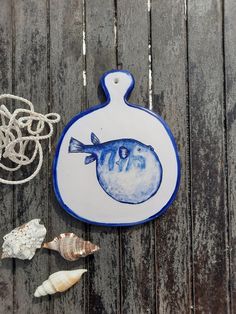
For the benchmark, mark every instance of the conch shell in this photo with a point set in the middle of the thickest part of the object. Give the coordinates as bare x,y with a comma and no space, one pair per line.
59,282
23,241
71,247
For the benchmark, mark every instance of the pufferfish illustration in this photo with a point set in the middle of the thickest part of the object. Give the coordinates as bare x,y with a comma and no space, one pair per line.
127,170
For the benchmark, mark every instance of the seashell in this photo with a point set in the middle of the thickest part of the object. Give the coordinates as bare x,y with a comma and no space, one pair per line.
59,282
23,241
71,247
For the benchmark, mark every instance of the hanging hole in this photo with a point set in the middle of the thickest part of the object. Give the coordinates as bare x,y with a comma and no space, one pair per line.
116,80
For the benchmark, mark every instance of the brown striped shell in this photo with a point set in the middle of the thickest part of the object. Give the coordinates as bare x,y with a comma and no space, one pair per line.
71,247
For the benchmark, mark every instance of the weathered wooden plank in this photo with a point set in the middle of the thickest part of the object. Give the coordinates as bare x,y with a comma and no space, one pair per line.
230,76
104,289
31,199
169,100
137,243
132,43
6,194
209,211
66,79
100,45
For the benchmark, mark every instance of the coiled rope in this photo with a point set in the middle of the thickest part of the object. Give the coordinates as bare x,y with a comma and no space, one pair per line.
17,130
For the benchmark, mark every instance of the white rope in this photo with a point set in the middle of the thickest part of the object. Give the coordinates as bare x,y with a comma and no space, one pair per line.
16,132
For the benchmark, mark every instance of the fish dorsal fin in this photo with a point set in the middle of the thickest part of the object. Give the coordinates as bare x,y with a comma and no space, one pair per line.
89,159
94,139
123,152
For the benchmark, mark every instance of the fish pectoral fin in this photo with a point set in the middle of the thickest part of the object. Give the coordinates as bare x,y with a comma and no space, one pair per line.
89,159
94,139
123,152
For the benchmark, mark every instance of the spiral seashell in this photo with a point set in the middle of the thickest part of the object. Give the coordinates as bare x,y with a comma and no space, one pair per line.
59,282
71,247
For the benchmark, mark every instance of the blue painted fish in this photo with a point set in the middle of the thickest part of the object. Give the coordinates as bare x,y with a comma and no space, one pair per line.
127,170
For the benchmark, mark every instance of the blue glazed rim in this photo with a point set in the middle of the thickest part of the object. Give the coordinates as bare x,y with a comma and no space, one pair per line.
97,107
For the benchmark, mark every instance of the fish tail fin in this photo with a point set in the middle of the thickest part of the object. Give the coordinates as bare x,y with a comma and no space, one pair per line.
75,146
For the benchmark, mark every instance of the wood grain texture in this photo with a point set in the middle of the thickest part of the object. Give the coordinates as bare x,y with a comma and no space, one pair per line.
103,289
6,191
209,209
230,89
31,199
137,243
100,46
132,43
169,63
66,97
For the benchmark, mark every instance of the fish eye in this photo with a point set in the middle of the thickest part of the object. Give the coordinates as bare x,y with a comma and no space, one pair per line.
139,149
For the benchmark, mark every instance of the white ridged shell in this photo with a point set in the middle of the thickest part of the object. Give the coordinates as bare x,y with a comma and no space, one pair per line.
59,282
23,241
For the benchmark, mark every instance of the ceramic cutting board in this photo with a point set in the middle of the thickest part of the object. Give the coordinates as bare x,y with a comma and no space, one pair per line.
117,163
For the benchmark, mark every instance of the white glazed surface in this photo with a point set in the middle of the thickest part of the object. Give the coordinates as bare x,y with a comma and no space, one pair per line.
77,183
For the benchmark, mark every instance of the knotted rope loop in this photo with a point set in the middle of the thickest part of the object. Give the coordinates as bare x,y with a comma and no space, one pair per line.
17,131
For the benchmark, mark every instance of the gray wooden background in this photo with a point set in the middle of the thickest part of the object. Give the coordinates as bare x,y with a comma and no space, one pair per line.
183,56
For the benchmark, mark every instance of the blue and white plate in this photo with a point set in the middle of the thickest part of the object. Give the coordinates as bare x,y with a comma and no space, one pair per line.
117,163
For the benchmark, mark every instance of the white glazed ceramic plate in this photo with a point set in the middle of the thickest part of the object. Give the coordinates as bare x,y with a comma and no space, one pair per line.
116,164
